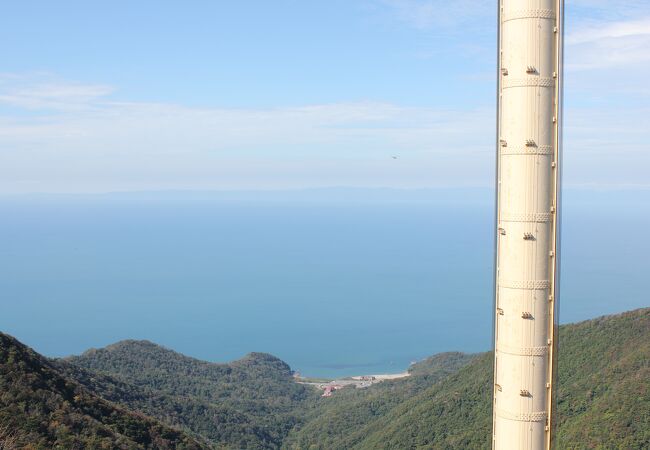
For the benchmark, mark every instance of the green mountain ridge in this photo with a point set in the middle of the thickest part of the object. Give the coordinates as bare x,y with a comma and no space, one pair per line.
603,398
131,388
343,420
42,409
250,403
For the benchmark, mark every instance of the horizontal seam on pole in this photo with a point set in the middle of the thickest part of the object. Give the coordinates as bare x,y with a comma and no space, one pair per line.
527,82
529,14
524,284
522,351
538,416
539,150
523,217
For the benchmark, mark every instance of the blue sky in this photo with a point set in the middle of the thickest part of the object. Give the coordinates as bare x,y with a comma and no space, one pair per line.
148,95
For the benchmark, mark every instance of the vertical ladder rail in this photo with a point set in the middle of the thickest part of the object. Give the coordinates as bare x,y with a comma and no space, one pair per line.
497,217
557,183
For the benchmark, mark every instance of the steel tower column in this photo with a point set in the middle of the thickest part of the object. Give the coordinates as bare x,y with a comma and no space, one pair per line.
527,222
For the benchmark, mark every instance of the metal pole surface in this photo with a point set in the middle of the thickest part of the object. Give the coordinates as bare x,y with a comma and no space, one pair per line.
527,222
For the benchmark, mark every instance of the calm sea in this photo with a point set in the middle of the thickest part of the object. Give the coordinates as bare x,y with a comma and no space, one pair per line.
335,282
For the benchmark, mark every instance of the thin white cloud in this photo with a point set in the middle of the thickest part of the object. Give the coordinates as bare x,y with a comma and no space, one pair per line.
93,142
100,144
613,30
425,14
35,93
607,10
609,45
77,137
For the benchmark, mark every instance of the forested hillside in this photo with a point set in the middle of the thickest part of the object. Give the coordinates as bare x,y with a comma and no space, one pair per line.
42,409
603,398
254,403
251,403
343,420
604,382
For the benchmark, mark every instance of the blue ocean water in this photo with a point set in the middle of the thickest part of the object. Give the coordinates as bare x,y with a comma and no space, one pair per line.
335,282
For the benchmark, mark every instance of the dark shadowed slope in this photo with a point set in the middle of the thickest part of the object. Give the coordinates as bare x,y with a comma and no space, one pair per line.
41,407
251,403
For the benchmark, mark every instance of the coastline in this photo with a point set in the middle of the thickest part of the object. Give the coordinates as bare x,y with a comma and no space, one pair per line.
358,381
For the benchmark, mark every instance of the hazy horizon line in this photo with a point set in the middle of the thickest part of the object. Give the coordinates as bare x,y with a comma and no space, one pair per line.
332,188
